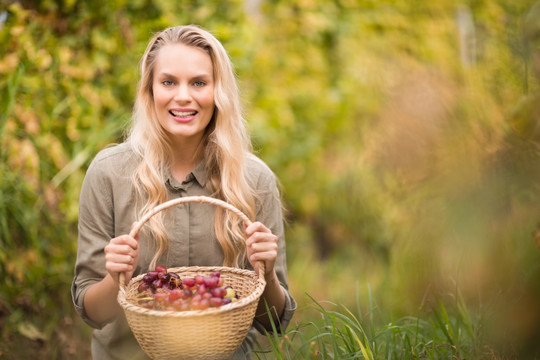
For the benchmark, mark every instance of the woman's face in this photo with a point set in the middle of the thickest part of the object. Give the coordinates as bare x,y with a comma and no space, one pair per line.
183,88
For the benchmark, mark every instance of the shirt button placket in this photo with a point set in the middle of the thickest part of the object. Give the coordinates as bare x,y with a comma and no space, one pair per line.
179,242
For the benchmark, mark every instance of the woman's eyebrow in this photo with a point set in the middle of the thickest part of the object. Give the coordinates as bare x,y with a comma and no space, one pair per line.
166,75
169,75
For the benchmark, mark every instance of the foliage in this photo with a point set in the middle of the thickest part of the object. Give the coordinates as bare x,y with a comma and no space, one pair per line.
391,134
339,333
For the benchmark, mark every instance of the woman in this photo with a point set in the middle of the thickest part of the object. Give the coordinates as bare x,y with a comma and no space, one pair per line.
188,138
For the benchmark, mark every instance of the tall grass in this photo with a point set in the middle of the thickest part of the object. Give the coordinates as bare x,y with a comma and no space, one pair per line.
446,331
6,103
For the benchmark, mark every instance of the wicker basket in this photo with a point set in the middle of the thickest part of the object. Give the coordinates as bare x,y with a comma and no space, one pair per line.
214,333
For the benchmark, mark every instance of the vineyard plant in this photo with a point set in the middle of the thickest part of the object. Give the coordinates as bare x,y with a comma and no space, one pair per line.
399,131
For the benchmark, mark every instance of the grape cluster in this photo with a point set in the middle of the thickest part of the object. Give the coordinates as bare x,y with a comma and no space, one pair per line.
163,290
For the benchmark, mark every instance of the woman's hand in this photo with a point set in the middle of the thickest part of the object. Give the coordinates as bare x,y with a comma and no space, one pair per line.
122,256
261,245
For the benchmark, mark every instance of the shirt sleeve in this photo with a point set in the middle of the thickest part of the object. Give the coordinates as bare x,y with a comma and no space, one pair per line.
271,215
95,229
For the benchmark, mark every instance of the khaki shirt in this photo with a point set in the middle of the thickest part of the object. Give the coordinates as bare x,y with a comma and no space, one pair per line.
107,210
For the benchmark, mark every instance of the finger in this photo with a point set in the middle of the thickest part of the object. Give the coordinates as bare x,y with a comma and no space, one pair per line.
125,262
113,267
122,249
256,227
120,258
125,240
263,256
262,238
268,258
263,245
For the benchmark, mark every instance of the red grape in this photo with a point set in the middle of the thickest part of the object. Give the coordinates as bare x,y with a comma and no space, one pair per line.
219,292
204,304
195,304
186,294
161,269
175,294
162,290
211,282
176,304
148,304
148,279
156,284
143,287
226,300
185,305
216,301
201,289
160,296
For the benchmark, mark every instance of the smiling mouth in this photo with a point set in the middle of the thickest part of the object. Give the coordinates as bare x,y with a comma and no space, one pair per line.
183,114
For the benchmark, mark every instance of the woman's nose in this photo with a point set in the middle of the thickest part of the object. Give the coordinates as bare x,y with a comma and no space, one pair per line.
182,93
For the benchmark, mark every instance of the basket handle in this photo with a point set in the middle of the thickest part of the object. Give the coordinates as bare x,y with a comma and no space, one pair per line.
182,200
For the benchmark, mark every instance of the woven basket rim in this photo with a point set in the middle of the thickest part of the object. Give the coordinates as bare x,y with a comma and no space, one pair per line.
253,296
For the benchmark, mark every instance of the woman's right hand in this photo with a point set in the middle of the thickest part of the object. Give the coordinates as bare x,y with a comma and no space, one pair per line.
122,256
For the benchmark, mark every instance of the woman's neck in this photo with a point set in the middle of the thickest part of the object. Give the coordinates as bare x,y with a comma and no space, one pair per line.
185,159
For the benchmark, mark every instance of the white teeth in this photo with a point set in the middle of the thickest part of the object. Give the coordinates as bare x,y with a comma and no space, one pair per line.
183,113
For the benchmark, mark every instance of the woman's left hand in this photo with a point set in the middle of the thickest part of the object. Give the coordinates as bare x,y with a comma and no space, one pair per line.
261,245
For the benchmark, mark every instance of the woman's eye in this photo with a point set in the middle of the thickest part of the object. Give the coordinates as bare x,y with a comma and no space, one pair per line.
199,83
167,83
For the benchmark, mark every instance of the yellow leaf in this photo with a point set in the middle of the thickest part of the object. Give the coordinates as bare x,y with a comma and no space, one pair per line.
30,331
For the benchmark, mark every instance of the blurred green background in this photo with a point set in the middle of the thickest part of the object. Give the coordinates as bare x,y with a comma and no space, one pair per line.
402,132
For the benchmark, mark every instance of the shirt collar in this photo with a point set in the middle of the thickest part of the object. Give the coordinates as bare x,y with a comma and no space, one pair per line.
198,174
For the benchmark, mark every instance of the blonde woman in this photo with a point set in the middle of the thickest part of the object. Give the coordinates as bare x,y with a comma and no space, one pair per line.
188,138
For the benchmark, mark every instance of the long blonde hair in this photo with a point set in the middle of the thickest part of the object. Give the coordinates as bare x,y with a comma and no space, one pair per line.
226,144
